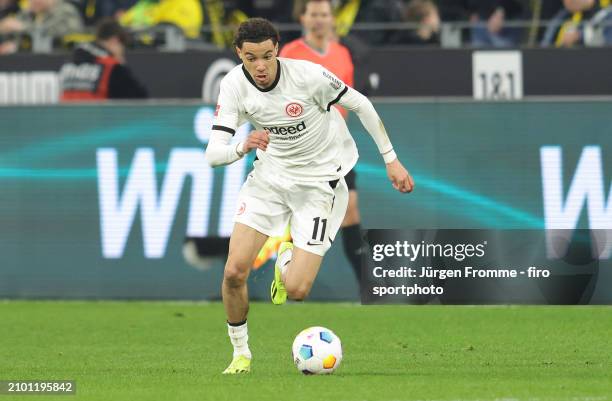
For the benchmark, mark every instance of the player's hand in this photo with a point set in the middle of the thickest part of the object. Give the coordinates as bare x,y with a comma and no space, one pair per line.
257,140
400,177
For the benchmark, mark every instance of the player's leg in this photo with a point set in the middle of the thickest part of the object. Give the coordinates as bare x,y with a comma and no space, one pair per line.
245,243
300,274
318,212
261,213
271,247
351,227
352,216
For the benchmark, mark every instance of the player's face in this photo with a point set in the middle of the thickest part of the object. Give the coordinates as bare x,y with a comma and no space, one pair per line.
318,19
259,59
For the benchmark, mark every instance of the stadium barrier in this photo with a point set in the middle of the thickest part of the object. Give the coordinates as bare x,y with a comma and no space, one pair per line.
482,74
96,199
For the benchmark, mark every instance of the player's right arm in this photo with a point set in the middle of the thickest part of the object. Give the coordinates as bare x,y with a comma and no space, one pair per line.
220,151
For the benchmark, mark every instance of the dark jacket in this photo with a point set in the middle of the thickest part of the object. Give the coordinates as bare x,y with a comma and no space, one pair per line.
94,74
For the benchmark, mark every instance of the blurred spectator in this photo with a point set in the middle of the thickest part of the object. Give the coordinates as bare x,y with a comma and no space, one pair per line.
98,71
277,11
55,18
598,30
544,9
8,8
567,28
273,10
184,14
539,11
319,44
346,13
93,10
478,12
425,13
378,11
454,10
220,15
489,18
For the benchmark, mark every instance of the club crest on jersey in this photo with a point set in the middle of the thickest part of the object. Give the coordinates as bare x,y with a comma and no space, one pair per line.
241,209
294,109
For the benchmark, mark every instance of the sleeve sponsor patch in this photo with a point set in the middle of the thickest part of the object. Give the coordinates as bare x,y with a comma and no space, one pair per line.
333,81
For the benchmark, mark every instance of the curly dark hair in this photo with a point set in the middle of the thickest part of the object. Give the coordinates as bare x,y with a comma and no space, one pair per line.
256,30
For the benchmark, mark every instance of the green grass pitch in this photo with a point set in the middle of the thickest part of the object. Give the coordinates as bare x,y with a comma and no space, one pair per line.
136,351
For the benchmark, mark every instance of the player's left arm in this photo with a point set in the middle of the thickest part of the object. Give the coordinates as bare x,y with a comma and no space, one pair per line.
328,90
354,101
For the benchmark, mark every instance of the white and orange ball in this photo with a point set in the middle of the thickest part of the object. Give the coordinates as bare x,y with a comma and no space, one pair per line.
317,350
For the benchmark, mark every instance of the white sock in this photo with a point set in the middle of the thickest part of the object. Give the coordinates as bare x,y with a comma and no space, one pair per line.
284,259
239,337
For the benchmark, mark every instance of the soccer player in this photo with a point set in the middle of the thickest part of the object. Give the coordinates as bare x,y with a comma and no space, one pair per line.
319,46
303,151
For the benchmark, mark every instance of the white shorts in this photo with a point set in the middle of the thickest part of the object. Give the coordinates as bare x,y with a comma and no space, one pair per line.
314,210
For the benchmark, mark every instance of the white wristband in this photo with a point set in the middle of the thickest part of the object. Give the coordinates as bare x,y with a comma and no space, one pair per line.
389,156
240,149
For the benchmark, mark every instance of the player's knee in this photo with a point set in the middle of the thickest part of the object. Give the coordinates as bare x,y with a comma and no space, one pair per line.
298,292
351,218
235,274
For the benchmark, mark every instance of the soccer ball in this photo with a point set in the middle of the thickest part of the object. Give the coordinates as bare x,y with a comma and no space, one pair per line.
317,350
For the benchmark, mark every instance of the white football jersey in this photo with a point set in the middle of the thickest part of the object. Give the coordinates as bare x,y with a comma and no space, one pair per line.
309,139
